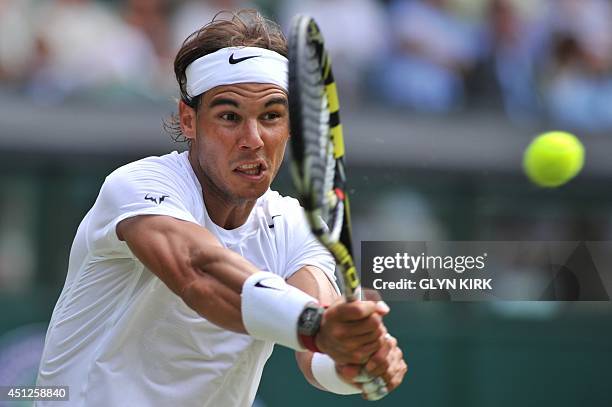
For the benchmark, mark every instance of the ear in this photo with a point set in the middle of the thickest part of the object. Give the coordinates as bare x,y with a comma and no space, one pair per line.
187,119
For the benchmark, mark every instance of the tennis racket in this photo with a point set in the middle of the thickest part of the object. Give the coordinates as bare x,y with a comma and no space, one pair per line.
317,147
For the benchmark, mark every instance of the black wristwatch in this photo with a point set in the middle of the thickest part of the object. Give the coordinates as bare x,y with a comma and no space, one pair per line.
309,323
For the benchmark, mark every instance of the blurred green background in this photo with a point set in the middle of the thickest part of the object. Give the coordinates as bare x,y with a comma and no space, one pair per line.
426,163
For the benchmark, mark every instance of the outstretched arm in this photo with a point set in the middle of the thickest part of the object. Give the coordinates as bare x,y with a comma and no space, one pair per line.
211,280
192,263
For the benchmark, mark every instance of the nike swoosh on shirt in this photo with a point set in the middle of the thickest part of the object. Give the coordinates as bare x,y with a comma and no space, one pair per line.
233,60
271,226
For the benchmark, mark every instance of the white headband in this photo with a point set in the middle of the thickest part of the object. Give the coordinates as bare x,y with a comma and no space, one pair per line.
236,65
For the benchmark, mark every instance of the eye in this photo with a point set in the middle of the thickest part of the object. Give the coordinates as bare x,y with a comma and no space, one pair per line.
271,116
229,116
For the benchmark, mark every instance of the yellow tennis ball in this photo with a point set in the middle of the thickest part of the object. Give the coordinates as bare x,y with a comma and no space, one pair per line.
553,158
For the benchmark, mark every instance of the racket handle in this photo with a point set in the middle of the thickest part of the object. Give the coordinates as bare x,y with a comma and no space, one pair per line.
374,387
353,295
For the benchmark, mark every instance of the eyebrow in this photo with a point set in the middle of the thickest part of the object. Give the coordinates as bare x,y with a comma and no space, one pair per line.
223,101
232,102
279,100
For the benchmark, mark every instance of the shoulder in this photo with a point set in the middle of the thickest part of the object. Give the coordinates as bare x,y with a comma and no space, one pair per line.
163,166
283,211
166,171
273,203
151,178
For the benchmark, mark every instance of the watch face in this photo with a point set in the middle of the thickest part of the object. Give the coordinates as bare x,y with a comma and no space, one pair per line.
308,318
309,321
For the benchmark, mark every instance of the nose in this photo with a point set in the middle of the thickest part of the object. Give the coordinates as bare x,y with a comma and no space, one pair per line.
251,136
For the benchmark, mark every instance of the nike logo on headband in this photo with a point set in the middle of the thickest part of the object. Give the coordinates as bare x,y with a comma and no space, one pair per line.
233,60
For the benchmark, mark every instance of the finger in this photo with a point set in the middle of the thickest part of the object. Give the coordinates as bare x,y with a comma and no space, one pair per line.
354,350
349,353
348,371
379,363
366,330
367,344
352,311
374,385
346,337
382,308
375,390
362,354
397,369
363,376
391,339
376,395
396,380
370,294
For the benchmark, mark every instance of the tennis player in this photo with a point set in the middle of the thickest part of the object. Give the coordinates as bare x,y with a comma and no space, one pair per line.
188,268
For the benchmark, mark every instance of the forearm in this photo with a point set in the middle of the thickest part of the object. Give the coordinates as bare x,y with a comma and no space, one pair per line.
304,361
215,290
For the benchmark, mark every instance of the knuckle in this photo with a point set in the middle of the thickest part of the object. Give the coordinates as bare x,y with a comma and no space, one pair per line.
381,360
385,363
373,323
329,314
337,332
356,358
373,348
374,366
363,310
377,319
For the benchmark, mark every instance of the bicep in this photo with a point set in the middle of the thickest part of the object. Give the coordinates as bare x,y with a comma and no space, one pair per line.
314,281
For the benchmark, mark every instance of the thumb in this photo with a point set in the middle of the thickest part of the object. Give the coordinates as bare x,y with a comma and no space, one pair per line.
382,308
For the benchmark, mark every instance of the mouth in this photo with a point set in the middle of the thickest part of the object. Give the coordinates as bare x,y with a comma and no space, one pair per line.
251,170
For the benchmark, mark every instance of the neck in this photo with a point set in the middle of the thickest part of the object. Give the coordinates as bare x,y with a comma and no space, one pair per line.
225,211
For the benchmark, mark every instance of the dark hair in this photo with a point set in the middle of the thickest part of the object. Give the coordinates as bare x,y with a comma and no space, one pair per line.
244,27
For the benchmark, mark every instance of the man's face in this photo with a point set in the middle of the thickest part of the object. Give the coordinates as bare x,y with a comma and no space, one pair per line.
239,139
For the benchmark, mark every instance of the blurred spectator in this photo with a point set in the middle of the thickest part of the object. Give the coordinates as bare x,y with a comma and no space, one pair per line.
418,222
152,18
355,35
517,40
17,40
578,81
432,49
589,22
85,47
191,15
578,92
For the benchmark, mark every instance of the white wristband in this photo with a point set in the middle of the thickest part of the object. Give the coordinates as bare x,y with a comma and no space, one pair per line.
271,309
324,371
